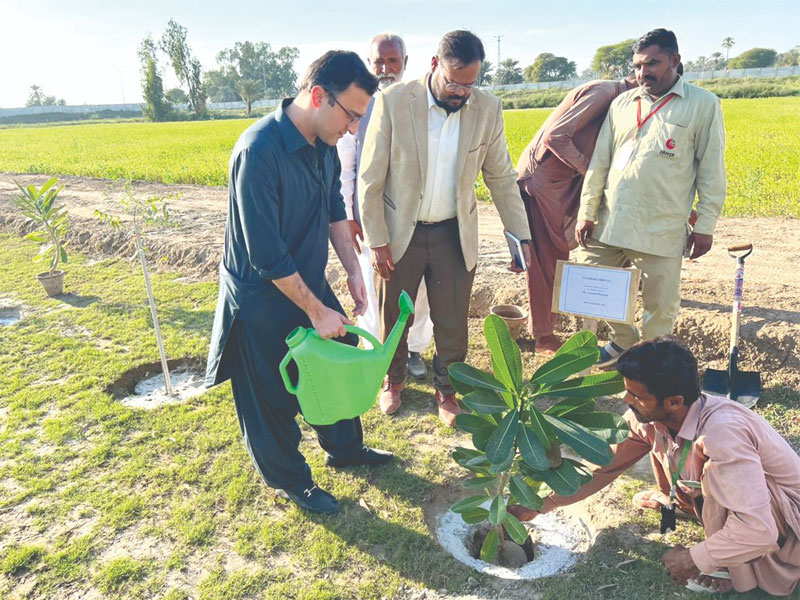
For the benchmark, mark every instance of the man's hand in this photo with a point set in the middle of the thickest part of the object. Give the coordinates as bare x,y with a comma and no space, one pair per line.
699,244
679,565
527,254
355,283
382,261
329,323
583,230
356,234
522,513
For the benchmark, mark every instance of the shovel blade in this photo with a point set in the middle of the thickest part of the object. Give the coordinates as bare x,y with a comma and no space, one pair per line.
745,388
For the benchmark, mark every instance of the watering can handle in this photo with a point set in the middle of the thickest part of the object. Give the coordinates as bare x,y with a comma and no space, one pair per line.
365,334
292,389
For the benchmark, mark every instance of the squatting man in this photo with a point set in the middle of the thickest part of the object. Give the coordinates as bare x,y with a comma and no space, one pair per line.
718,462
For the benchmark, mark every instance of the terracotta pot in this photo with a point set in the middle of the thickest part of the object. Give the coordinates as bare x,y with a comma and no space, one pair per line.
52,284
514,316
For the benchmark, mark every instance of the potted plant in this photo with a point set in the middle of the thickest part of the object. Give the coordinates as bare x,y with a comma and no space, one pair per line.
518,427
39,206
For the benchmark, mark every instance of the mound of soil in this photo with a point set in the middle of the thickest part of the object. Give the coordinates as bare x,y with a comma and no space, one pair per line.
770,326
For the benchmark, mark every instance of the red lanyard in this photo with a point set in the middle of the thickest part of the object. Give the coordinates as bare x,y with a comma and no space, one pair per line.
639,121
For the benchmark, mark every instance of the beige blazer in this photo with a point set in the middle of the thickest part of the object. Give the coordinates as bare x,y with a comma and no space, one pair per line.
394,162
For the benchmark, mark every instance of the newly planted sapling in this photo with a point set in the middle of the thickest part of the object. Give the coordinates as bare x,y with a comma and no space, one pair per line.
142,216
517,456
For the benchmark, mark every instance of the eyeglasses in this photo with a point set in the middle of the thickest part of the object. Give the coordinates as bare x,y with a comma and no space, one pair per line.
452,86
353,117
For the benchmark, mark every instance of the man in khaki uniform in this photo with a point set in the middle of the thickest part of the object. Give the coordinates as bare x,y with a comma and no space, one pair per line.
661,144
426,142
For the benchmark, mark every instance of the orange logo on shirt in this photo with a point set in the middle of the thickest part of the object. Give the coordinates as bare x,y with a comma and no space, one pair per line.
671,144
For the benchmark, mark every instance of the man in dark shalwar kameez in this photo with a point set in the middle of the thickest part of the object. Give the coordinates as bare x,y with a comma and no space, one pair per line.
285,203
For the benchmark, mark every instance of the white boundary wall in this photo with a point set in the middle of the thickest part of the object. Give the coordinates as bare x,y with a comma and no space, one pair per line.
273,102
688,76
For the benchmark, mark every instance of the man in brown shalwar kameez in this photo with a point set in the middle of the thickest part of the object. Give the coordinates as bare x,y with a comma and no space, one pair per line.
725,464
551,171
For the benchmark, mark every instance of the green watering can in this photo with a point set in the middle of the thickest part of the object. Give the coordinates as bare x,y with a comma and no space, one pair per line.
337,381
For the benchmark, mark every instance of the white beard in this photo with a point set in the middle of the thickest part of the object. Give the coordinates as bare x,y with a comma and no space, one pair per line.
384,83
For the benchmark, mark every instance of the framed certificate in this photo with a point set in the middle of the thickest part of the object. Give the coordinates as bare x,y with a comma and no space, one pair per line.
597,292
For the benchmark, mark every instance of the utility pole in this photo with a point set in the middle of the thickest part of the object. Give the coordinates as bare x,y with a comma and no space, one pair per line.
498,38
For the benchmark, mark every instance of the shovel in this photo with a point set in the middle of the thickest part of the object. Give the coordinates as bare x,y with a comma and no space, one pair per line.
743,387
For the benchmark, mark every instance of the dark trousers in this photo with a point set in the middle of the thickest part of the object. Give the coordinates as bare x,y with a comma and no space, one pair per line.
267,413
435,254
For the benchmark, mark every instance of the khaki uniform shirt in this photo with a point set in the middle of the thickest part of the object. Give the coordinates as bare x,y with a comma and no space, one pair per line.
642,181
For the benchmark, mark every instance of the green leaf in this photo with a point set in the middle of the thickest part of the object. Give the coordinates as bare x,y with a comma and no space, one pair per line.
472,423
63,255
468,503
562,366
531,448
584,472
564,481
36,236
48,184
506,357
515,529
524,494
497,511
539,426
480,438
478,483
502,440
461,388
609,427
464,373
476,515
463,455
489,547
484,402
582,339
494,469
582,440
571,405
590,386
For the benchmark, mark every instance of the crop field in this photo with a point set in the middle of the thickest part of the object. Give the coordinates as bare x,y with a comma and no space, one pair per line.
763,152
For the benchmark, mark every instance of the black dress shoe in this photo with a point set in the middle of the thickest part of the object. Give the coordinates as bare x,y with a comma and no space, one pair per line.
311,498
365,456
416,366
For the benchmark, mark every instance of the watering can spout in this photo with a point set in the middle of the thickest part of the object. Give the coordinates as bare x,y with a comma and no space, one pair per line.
393,339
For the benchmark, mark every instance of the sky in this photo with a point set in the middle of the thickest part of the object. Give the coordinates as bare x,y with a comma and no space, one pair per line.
85,50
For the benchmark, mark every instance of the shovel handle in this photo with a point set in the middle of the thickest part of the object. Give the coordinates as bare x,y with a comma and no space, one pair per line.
746,248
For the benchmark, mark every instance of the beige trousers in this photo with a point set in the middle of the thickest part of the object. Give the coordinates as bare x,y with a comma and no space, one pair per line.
661,295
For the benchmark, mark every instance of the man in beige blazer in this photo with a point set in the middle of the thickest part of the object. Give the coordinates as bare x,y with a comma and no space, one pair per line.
426,142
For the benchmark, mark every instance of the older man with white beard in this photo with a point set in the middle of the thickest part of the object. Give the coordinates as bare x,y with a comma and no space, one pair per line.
387,60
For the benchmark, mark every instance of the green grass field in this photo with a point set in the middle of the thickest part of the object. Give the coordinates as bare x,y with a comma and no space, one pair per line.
99,500
763,151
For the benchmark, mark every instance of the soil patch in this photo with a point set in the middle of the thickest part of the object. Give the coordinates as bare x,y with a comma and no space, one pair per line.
143,386
559,539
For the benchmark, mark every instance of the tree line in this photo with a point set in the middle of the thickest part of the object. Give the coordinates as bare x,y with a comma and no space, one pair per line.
616,61
247,72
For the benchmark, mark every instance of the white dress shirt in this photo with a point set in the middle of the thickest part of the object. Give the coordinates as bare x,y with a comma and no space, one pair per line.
346,146
439,197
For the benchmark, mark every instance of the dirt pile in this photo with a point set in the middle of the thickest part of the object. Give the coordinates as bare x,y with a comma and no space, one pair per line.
770,326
